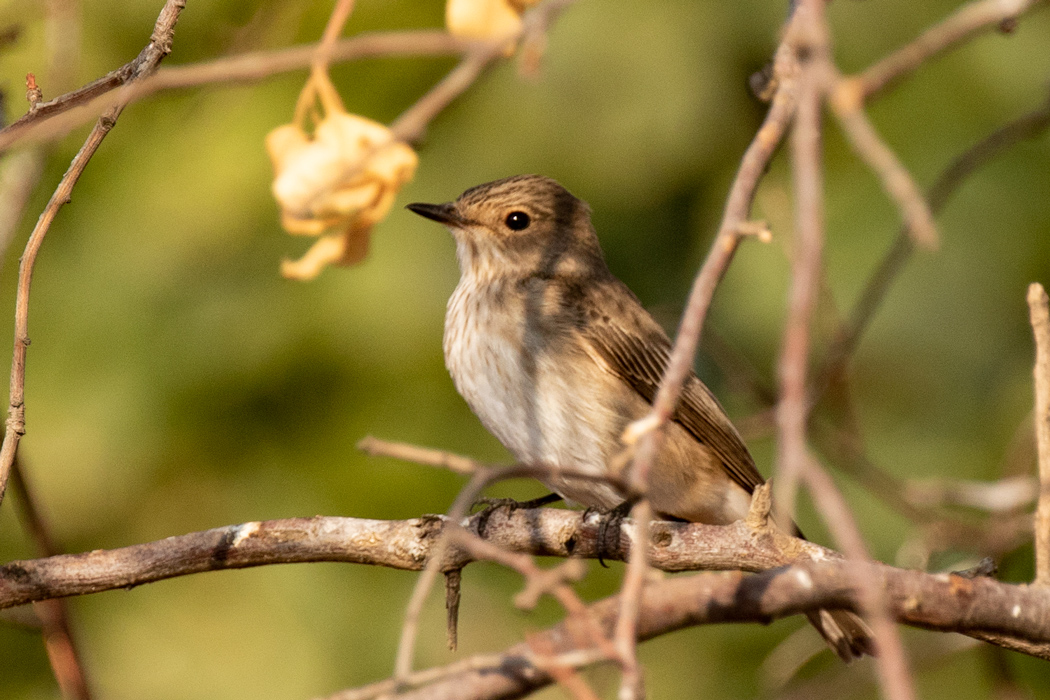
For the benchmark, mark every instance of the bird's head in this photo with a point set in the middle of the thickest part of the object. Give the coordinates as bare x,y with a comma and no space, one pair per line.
521,226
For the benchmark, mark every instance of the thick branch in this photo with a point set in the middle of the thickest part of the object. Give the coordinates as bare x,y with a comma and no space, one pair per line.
937,601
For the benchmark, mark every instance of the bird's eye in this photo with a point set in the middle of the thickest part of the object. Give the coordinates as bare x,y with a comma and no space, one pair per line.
518,221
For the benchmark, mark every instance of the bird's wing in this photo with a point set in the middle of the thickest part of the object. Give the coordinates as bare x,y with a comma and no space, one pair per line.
635,348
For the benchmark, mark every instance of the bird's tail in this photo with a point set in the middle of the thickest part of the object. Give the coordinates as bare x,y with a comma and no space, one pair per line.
846,633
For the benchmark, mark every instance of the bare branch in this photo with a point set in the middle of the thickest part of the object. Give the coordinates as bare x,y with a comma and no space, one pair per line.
808,37
146,63
411,125
421,455
927,600
892,663
847,102
947,183
962,25
936,601
1039,307
811,42
625,635
257,65
734,225
62,650
1002,496
336,22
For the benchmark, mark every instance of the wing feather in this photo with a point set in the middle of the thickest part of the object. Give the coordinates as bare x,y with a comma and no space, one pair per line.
637,349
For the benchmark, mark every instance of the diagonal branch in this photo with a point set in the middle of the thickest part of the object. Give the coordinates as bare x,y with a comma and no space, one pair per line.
947,183
146,63
62,648
711,598
970,19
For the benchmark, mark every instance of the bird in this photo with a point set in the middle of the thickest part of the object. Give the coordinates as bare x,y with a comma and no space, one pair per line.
556,356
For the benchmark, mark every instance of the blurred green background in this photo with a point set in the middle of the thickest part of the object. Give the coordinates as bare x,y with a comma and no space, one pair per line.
176,383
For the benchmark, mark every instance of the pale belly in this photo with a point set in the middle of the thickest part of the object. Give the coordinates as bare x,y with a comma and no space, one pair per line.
555,408
547,412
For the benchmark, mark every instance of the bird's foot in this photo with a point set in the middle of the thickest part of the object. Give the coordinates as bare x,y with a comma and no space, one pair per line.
610,521
494,504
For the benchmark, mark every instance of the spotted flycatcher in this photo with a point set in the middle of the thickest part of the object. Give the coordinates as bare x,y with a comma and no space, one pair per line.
557,356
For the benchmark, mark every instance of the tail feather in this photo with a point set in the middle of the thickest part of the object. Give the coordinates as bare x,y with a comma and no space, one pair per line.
847,634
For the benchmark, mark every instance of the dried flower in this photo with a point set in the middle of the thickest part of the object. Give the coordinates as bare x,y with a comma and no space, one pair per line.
345,175
485,19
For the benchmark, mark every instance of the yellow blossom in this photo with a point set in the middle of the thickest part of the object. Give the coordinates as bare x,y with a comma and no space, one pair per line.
345,175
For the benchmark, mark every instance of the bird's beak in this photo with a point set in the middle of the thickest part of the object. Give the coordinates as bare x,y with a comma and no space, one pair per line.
442,213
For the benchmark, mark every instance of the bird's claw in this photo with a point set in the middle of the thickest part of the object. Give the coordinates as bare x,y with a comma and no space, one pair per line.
612,519
494,504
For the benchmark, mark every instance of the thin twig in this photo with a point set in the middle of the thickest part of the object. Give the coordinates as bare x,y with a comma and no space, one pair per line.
465,465
146,63
996,497
793,460
947,184
66,661
847,102
539,582
723,247
1039,310
809,39
736,214
410,626
336,22
891,662
731,230
420,455
625,636
75,108
485,663
963,24
411,125
257,65
480,478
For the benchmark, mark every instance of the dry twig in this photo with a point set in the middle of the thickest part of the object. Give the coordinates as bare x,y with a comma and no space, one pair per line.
734,226
146,62
808,38
846,99
947,183
812,46
411,125
70,110
892,663
1039,307
625,634
712,598
970,19
62,652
